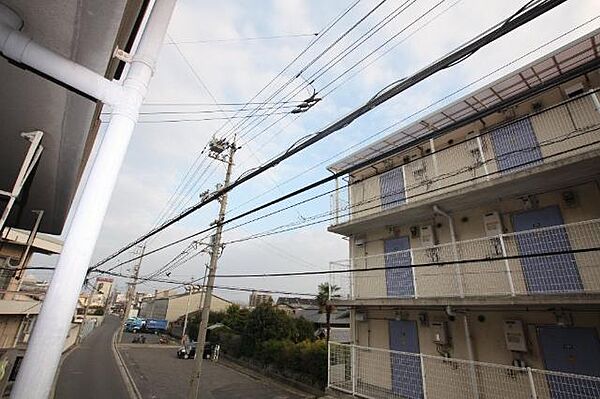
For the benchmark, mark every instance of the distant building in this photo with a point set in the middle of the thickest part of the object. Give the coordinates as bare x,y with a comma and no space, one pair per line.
102,291
21,294
292,305
258,299
171,306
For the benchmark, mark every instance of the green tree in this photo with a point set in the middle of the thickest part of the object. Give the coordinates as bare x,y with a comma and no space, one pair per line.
265,323
236,318
325,293
303,330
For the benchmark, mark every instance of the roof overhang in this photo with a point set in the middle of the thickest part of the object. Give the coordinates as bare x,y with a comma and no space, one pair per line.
86,32
42,243
550,66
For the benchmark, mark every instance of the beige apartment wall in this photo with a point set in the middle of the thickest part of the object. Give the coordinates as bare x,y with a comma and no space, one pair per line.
453,164
9,327
177,305
435,281
487,338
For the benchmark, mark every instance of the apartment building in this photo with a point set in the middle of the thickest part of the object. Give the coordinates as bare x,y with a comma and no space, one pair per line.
474,247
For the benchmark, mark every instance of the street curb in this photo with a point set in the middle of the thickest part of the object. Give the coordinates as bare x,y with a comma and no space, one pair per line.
270,379
132,389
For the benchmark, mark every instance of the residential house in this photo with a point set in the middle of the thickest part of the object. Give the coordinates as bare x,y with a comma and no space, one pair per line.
451,293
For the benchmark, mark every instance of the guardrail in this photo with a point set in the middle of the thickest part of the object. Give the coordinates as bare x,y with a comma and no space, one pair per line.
503,265
385,374
560,131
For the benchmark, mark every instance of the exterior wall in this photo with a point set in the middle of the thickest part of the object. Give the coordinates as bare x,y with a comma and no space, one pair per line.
436,281
434,168
9,328
177,305
487,337
154,308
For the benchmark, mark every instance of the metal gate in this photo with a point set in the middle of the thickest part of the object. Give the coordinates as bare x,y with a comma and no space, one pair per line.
555,273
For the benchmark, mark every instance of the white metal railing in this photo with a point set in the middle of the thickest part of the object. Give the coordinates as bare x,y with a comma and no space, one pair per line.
560,131
502,266
385,374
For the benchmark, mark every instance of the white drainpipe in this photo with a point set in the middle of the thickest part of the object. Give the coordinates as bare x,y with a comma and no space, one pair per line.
46,343
440,211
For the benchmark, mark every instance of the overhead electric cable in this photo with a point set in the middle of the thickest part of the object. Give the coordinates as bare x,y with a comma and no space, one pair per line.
380,98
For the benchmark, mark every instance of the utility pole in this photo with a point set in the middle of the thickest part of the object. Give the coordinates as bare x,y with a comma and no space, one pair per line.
216,148
131,291
187,311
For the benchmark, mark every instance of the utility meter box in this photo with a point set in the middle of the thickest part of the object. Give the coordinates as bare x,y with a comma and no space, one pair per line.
514,335
492,224
439,332
427,236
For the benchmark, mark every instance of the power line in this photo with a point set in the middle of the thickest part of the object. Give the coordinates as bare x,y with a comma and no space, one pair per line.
517,20
320,35
415,265
243,39
486,259
295,227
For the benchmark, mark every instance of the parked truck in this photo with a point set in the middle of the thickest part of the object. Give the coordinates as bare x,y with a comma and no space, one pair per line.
145,325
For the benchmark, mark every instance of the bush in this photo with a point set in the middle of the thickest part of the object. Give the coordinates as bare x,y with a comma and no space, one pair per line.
307,359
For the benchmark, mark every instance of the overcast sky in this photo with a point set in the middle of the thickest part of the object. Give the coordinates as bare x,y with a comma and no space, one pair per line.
199,70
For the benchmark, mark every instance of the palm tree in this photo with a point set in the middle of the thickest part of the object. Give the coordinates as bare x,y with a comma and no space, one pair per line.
326,292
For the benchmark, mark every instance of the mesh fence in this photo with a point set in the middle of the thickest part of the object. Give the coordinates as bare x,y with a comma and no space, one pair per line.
564,273
384,374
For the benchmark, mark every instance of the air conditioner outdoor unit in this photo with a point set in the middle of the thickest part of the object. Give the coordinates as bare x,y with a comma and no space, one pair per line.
419,171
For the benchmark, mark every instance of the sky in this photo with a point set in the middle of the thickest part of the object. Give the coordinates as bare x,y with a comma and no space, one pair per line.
207,59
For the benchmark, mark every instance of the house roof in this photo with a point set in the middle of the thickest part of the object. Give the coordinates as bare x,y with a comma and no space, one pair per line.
554,64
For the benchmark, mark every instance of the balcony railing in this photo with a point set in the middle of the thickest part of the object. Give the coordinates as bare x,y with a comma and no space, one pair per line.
384,374
510,264
560,131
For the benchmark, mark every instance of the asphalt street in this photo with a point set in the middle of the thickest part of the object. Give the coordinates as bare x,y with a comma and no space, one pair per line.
90,371
158,373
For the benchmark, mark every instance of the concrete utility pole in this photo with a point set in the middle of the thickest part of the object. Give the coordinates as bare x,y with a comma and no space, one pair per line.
187,311
131,291
216,147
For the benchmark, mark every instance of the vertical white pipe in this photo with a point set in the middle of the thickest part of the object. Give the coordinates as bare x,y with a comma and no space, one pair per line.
45,347
470,353
507,266
439,210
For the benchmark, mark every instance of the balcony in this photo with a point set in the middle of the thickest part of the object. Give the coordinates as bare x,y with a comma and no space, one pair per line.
384,374
541,141
510,268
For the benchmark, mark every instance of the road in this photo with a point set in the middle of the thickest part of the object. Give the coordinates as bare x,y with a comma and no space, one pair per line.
90,371
158,373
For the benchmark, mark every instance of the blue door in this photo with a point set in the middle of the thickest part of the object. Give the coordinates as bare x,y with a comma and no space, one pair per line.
391,185
574,350
516,146
407,380
554,273
398,279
